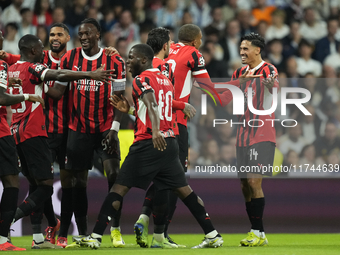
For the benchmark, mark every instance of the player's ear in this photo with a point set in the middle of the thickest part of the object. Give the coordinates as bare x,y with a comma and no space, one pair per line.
165,46
68,38
98,36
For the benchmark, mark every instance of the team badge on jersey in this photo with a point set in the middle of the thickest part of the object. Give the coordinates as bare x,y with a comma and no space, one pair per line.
38,68
201,61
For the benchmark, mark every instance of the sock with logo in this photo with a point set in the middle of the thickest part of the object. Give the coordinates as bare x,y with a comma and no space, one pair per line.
147,205
198,210
106,213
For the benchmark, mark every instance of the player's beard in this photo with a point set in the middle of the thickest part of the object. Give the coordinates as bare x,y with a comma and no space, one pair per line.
57,50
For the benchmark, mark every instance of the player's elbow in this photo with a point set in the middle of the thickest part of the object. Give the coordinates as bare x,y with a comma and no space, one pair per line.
3,99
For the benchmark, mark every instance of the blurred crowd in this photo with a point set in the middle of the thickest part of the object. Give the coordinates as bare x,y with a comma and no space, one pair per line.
302,37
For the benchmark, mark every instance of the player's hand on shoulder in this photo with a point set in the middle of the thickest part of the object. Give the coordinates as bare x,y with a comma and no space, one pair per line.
35,98
158,140
189,111
3,54
112,141
270,81
14,82
103,75
110,51
120,103
247,76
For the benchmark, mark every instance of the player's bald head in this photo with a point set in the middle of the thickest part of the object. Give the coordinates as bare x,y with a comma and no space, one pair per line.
143,50
188,33
27,42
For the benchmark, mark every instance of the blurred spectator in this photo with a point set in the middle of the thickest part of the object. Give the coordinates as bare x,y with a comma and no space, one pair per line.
138,11
10,43
144,30
217,19
108,20
327,143
200,12
126,28
108,39
332,92
93,13
312,29
308,158
293,140
292,40
169,15
243,16
278,29
229,10
215,68
327,45
186,18
76,14
122,47
294,11
262,12
43,35
292,72
231,42
322,7
25,26
291,159
310,83
310,126
209,153
12,13
227,156
333,60
262,28
58,15
275,54
333,159
224,134
212,37
305,64
42,13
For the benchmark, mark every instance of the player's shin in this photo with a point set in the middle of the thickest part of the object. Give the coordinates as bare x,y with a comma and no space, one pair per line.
66,210
80,209
7,210
160,209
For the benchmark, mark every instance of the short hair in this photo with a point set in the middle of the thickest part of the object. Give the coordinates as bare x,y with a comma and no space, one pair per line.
62,25
93,22
13,25
27,42
24,10
188,33
305,42
255,39
332,18
144,50
279,12
157,37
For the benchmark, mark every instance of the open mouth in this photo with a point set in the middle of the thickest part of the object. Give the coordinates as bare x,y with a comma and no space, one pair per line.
85,44
56,44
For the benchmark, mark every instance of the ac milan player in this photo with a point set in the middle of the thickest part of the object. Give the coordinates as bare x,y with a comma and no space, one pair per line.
93,123
8,156
255,145
156,151
159,40
28,125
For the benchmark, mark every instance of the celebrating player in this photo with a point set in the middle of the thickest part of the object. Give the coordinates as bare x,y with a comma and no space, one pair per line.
8,156
255,145
28,125
93,126
156,151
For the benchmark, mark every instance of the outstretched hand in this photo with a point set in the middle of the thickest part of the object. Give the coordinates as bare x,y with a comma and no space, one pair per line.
269,82
247,76
110,51
120,103
35,98
14,82
103,75
189,111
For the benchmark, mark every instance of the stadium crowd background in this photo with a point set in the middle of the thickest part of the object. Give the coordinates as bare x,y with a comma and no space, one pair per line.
302,36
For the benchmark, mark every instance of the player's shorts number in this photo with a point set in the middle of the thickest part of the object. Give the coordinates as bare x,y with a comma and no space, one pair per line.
23,105
253,153
168,105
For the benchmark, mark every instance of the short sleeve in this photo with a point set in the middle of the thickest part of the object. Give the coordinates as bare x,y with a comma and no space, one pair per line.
120,72
3,74
37,72
141,86
197,63
270,72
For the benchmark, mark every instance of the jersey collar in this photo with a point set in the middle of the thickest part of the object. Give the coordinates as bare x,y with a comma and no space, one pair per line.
152,70
256,68
52,58
94,57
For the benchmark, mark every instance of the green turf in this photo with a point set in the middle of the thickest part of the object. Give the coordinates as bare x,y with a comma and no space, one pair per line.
285,244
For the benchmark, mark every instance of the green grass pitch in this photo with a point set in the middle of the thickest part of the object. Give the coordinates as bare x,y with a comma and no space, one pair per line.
283,244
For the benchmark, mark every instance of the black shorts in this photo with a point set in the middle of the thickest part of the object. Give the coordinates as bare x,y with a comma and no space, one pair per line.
57,144
183,144
35,158
145,164
258,159
81,146
8,156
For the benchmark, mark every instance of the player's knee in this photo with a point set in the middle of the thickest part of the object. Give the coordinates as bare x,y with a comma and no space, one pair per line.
254,183
116,205
10,181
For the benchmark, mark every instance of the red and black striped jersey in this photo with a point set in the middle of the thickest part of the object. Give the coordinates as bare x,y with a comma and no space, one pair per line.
262,100
89,106
187,62
55,110
166,70
152,80
28,118
4,128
